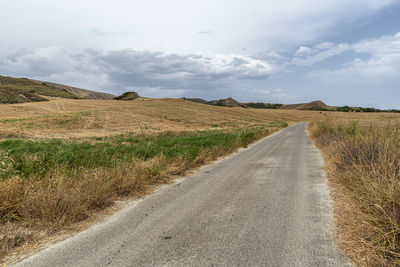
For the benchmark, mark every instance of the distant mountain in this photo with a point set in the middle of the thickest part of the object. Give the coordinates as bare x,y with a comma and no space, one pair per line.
314,105
20,90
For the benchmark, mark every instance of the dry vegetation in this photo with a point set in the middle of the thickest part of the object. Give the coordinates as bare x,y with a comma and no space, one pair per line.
364,168
64,118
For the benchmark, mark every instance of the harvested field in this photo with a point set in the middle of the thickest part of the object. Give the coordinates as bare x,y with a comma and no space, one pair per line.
65,118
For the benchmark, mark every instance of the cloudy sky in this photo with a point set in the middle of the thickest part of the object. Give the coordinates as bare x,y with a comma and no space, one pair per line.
344,52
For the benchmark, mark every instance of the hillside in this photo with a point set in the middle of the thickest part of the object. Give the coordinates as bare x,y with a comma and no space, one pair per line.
81,93
32,87
314,105
10,95
21,90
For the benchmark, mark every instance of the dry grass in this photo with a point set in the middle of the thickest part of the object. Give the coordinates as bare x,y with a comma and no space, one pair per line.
38,208
64,118
364,168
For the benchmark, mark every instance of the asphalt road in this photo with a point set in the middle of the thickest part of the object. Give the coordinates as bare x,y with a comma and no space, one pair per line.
267,205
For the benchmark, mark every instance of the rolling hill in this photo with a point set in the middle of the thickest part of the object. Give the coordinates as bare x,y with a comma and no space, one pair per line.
314,105
81,93
21,90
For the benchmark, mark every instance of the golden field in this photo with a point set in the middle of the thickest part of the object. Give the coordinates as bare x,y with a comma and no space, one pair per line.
64,118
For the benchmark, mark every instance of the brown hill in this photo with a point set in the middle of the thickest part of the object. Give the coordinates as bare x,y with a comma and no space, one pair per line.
81,93
21,90
314,105
32,87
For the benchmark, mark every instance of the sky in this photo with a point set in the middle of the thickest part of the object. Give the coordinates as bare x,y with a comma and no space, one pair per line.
343,52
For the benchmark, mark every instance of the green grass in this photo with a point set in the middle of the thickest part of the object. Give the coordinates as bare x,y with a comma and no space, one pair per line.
26,158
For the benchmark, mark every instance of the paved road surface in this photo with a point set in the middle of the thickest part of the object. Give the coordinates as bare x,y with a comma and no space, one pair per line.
268,205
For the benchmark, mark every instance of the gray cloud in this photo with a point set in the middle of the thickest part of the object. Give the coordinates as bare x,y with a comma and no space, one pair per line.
121,69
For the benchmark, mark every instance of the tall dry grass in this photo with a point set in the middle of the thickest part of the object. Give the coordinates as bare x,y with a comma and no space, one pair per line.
43,205
364,169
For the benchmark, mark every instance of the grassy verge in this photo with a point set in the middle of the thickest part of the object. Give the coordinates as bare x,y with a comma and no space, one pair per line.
364,168
48,185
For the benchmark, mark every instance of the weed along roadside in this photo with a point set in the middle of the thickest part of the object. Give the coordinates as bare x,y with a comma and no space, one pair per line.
49,185
363,164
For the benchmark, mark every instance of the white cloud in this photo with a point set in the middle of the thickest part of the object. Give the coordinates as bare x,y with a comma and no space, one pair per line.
321,55
382,57
305,51
384,45
382,50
